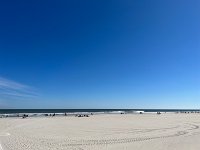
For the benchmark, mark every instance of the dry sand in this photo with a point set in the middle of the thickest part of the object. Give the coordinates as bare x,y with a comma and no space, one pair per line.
102,132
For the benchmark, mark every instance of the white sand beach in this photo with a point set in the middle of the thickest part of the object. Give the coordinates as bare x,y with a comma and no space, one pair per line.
102,132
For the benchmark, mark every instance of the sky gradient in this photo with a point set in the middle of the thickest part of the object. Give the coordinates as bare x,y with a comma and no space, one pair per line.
100,54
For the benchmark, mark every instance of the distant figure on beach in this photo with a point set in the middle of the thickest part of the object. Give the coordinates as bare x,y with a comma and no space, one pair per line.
158,113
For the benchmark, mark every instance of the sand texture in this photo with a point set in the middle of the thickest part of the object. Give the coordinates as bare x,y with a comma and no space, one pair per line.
102,132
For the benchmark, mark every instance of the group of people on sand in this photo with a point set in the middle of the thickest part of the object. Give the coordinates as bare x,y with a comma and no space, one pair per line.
81,115
187,112
52,115
24,116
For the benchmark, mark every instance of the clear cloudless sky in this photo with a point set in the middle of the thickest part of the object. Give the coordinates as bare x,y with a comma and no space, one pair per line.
101,54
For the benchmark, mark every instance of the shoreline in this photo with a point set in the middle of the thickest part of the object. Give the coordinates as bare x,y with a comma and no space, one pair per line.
53,114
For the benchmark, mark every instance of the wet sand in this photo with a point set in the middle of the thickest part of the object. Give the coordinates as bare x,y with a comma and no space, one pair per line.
102,132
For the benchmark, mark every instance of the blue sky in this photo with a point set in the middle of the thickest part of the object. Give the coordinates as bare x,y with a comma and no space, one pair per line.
100,54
